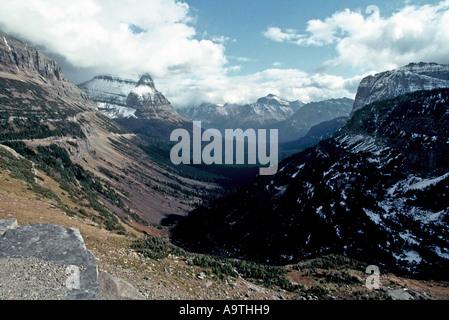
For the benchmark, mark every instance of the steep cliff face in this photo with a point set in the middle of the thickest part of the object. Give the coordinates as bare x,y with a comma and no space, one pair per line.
26,58
23,62
150,103
37,101
110,94
128,99
390,84
136,105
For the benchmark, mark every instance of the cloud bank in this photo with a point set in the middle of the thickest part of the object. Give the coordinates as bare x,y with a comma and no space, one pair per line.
127,37
366,40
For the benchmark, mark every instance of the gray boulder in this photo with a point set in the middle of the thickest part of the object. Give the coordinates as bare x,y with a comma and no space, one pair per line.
8,224
62,246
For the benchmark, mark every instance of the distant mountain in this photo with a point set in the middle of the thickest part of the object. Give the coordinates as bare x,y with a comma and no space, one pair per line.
137,106
110,94
293,119
322,131
122,98
377,191
266,110
310,115
393,83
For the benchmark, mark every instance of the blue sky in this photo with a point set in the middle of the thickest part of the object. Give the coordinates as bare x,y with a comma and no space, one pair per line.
234,50
244,22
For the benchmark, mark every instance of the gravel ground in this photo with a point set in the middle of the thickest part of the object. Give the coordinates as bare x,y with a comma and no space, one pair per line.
31,279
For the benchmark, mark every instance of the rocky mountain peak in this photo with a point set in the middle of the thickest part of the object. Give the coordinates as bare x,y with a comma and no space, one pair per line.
18,57
393,83
146,80
272,99
125,99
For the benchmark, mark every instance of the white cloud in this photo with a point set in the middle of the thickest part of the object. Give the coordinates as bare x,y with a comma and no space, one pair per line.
369,41
102,34
278,35
290,84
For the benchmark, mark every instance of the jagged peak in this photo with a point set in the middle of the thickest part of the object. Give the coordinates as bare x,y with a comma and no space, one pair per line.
146,80
272,99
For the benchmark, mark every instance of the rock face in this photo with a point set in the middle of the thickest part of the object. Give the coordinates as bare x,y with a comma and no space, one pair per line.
8,224
390,84
110,94
59,245
53,249
19,60
137,106
28,58
124,99
150,103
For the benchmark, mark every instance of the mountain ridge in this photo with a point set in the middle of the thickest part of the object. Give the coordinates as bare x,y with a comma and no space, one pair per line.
393,83
293,119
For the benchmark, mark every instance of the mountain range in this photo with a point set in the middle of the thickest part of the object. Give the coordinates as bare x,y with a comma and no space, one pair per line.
266,110
372,183
375,191
293,119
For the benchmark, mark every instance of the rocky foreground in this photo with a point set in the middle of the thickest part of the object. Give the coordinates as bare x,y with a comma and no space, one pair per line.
50,262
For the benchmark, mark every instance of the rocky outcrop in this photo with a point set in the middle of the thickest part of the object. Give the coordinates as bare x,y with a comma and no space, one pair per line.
58,246
16,55
62,246
151,103
112,288
391,84
8,224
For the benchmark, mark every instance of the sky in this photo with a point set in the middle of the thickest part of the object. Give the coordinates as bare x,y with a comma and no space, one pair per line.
234,51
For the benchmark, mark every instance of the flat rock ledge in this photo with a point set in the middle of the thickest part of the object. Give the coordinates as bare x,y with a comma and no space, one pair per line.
31,254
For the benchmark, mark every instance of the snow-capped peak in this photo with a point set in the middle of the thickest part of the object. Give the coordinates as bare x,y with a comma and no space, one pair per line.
273,99
146,80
